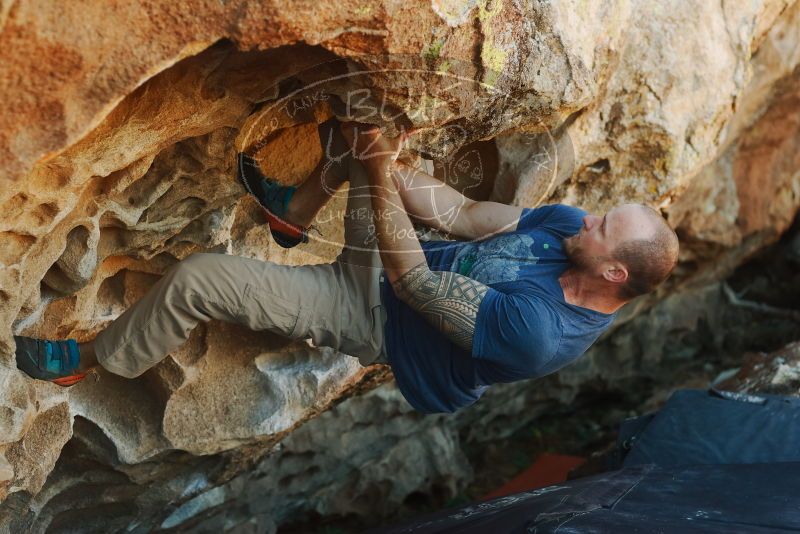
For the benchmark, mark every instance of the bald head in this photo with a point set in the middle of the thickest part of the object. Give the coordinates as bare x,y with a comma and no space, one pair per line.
631,247
649,250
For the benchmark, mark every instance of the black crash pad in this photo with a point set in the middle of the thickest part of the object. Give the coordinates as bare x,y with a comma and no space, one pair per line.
730,499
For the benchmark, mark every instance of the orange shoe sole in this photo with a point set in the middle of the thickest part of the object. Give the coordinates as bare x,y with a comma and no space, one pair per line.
71,380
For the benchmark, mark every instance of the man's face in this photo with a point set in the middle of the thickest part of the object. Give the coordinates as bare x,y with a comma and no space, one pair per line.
594,244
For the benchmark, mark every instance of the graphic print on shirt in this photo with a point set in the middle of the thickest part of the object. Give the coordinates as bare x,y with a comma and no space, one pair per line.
495,260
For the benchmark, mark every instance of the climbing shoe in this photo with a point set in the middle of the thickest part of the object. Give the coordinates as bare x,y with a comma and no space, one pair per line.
274,198
54,361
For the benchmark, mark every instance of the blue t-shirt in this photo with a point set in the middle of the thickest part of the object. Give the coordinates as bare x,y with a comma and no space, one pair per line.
524,328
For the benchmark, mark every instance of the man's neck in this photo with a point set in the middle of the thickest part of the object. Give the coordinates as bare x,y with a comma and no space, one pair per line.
580,291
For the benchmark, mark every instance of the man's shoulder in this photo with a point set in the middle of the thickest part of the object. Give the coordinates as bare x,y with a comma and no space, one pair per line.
558,217
565,215
557,316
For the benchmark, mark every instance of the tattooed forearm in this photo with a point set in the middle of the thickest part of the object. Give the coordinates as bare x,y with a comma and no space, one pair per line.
449,301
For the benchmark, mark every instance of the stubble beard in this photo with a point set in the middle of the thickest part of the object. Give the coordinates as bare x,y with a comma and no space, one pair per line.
575,253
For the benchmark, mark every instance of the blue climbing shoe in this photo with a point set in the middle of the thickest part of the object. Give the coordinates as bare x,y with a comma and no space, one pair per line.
54,361
274,198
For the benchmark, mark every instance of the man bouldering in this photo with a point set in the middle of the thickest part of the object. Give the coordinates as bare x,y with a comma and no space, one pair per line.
521,294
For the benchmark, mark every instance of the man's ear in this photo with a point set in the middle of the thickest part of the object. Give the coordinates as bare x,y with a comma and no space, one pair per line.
615,272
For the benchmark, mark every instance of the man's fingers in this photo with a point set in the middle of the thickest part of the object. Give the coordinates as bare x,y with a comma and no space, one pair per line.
360,127
353,131
367,140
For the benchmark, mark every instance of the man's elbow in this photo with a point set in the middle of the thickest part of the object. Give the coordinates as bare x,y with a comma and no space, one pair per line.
463,222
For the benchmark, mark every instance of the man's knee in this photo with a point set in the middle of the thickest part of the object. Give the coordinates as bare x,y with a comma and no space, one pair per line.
206,283
193,268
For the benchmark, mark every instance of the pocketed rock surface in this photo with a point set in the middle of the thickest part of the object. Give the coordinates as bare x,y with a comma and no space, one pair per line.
117,156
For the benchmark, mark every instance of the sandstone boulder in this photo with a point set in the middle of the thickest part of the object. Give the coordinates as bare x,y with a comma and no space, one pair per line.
117,150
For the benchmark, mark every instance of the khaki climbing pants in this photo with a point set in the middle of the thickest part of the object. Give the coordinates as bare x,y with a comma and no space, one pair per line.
335,305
